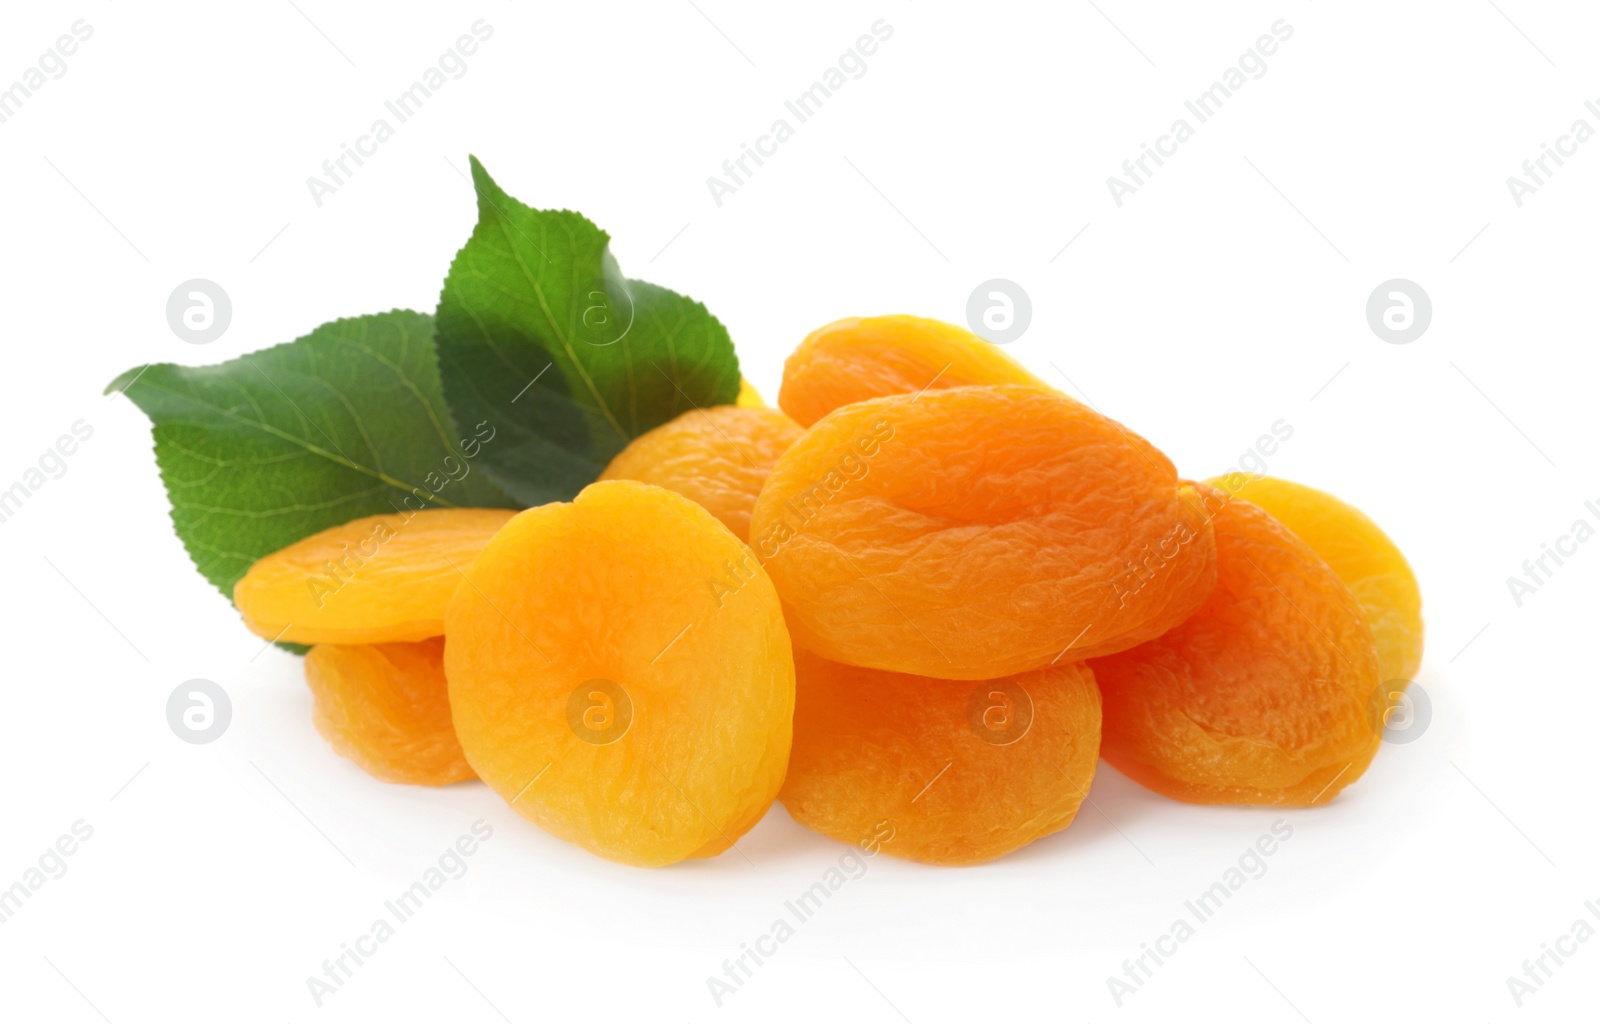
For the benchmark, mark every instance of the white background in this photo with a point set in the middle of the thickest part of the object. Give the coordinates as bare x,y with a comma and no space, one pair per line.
1226,294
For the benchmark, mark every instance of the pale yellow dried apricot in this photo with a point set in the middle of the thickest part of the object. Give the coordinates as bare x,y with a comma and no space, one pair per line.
936,770
718,458
749,397
971,533
605,688
373,580
387,708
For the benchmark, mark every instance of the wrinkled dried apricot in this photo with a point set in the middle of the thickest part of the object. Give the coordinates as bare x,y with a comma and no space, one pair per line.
387,708
936,770
718,458
859,358
602,686
1263,696
373,580
971,533
1358,552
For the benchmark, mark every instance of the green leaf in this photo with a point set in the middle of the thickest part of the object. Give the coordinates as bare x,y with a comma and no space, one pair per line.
538,330
346,422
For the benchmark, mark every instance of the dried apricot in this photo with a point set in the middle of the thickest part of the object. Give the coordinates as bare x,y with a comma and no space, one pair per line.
373,580
1358,552
974,532
717,458
749,397
387,708
602,687
870,357
1263,696
937,770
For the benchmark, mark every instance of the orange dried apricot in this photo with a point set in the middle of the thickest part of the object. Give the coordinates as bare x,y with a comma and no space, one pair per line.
940,771
374,580
971,533
717,458
387,708
1358,552
1263,696
859,358
603,688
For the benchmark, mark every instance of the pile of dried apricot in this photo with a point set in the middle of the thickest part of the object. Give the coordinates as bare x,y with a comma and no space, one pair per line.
916,604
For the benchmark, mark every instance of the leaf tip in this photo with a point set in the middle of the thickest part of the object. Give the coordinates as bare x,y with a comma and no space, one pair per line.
125,379
482,184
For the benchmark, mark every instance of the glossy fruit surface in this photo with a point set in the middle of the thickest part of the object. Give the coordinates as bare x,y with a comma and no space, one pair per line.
859,358
718,458
386,707
1266,695
749,397
378,579
1360,553
940,771
604,686
972,533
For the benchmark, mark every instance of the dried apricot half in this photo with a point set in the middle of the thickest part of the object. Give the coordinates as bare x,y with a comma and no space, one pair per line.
859,358
971,533
1263,696
1358,552
940,771
605,689
387,708
749,397
373,580
718,458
